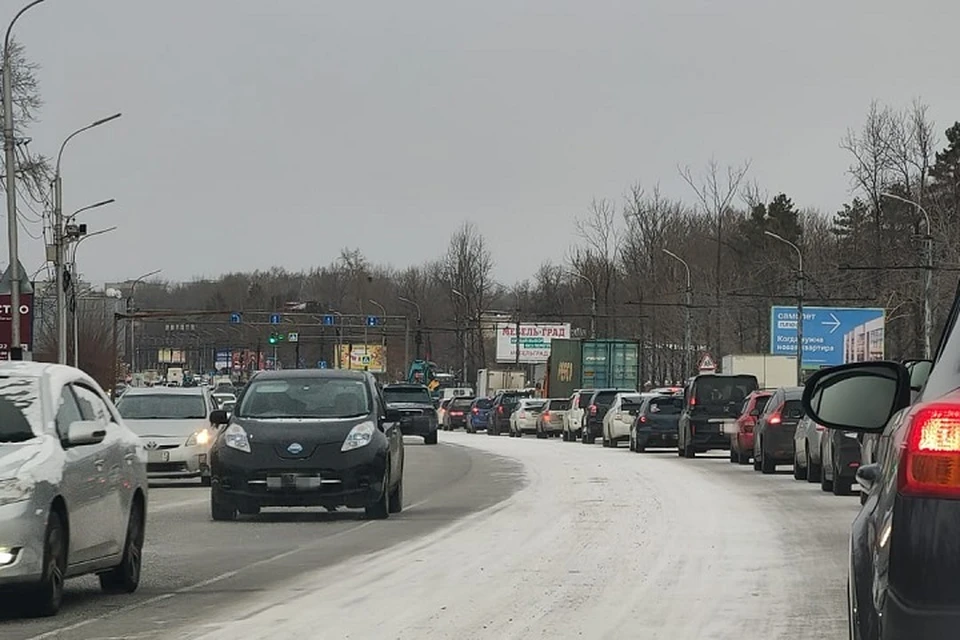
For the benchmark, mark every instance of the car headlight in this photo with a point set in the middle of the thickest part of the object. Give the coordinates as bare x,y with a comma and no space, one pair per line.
202,437
236,438
15,490
359,436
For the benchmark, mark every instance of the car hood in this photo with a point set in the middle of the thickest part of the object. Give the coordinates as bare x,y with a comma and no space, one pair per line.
283,431
166,428
18,459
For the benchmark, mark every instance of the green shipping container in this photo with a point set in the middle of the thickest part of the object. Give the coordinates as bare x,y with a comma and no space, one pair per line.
563,368
610,364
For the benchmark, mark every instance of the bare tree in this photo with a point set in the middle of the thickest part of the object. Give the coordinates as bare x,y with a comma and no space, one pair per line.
598,260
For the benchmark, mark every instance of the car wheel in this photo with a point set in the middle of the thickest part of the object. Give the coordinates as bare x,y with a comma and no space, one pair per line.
430,438
757,457
633,442
689,451
825,485
125,577
396,497
814,471
565,436
542,435
841,486
221,509
249,510
380,510
767,465
733,456
640,448
743,457
799,473
205,481
45,599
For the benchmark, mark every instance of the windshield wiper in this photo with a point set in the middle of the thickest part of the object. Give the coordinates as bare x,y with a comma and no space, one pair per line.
14,438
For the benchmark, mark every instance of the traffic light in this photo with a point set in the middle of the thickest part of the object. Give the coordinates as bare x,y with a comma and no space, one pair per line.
275,338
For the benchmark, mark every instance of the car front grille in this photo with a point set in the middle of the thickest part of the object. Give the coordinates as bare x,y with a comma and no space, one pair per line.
166,467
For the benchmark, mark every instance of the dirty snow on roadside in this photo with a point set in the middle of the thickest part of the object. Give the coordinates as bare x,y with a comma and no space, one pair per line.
598,544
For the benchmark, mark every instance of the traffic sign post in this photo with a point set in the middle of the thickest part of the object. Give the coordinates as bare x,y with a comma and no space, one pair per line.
274,318
293,336
235,318
831,335
707,365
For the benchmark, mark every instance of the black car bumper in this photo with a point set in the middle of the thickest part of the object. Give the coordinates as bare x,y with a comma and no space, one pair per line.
418,426
848,458
657,437
353,479
902,621
778,444
457,422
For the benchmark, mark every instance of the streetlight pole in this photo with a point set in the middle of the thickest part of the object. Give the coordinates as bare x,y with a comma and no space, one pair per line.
73,285
463,336
687,305
339,337
780,238
133,321
419,337
593,302
383,331
10,162
59,240
927,275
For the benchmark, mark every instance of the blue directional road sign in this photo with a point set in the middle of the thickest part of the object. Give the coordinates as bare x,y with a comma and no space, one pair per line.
329,320
274,318
235,318
372,321
322,364
831,335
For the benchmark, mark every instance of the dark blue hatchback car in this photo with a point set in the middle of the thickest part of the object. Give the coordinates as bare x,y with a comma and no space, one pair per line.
479,416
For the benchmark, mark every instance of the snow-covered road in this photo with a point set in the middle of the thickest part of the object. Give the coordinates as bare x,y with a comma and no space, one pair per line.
598,544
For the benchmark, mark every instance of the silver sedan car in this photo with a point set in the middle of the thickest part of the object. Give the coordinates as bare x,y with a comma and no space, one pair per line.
67,464
174,424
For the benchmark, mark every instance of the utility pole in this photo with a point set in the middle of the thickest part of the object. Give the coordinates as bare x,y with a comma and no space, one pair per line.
687,321
593,302
780,238
927,274
419,337
10,168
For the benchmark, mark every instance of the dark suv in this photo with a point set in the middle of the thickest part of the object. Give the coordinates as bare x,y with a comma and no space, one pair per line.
504,404
418,414
599,404
711,400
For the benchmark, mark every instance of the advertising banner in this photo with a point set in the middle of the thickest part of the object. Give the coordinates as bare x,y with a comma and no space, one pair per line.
831,335
534,341
363,357
6,326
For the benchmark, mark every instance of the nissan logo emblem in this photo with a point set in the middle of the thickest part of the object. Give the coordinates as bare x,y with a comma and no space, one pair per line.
296,448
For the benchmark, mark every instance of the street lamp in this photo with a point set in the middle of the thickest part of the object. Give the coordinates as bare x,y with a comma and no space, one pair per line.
16,347
96,205
593,302
687,312
339,330
133,321
59,239
73,285
419,338
928,274
780,238
463,334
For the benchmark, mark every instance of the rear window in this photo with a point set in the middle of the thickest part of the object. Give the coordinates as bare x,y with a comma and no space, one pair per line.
584,400
792,409
407,394
511,399
665,406
762,403
535,406
605,398
723,390
461,403
560,405
483,403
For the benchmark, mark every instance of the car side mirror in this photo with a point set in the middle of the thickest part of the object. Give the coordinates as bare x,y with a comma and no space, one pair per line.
755,413
219,417
391,415
867,476
862,396
85,432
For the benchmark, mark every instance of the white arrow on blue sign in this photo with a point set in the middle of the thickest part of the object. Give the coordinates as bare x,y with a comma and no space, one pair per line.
235,318
275,318
831,335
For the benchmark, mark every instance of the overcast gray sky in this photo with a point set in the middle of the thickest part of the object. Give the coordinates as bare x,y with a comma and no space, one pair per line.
275,132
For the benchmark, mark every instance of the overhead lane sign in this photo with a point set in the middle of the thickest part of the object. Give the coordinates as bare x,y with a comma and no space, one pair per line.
831,335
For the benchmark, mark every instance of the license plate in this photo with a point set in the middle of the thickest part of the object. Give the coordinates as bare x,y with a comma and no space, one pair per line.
730,427
717,420
159,456
292,482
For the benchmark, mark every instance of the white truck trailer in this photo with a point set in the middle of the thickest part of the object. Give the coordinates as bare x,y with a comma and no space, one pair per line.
771,371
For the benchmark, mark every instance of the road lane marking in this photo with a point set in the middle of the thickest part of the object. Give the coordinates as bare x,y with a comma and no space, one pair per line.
205,583
174,505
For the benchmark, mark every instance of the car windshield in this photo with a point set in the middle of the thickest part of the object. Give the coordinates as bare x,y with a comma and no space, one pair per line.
317,398
407,394
665,406
161,406
560,405
20,413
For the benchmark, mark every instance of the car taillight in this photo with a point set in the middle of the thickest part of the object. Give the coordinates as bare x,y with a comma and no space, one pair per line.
931,453
775,418
546,415
475,411
643,418
593,409
820,427
500,409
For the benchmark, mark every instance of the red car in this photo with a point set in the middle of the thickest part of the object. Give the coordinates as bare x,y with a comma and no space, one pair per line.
741,442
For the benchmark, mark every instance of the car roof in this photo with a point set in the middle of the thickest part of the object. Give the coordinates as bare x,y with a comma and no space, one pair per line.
404,385
286,374
169,391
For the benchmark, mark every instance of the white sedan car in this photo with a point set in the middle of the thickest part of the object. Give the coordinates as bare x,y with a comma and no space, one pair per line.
174,424
620,417
524,417
73,487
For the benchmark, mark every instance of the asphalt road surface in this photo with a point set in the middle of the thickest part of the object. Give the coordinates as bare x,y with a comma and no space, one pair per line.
195,568
578,542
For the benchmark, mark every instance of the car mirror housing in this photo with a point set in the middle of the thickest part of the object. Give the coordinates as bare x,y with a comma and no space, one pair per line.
219,417
85,432
391,415
857,397
755,413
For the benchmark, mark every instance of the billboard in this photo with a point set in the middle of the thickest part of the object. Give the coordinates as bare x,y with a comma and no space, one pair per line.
363,357
534,341
6,326
223,358
831,335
